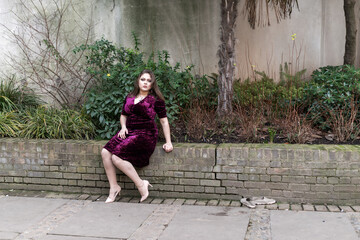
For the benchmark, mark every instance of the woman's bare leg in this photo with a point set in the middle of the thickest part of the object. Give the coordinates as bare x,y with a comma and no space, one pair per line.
110,173
127,168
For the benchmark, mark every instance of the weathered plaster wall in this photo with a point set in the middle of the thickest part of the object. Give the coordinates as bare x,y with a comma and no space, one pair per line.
189,30
320,40
6,46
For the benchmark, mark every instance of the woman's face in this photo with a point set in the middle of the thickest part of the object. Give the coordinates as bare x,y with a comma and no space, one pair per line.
145,82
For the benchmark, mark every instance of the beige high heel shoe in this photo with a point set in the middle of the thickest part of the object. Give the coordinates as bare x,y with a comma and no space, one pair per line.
110,200
144,190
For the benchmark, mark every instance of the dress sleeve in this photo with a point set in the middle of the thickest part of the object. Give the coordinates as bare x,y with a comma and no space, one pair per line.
125,108
160,108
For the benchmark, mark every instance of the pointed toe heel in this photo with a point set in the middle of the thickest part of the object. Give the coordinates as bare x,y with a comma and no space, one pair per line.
112,199
144,190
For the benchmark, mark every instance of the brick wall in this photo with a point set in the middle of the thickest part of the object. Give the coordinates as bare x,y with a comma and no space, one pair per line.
288,173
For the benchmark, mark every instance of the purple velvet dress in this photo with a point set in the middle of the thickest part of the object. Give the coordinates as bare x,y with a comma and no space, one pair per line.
141,140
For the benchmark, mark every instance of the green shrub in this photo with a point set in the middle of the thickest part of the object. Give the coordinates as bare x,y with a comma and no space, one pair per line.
115,70
43,122
256,93
16,97
332,88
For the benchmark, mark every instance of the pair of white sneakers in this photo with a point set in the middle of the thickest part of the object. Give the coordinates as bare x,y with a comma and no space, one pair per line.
253,201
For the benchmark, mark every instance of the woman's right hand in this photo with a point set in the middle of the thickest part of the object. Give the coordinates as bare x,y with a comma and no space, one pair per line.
123,132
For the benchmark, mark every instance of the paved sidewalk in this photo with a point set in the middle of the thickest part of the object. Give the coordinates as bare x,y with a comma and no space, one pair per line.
50,216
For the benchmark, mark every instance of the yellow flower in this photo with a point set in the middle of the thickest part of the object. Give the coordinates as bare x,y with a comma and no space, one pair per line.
108,74
293,36
253,66
234,64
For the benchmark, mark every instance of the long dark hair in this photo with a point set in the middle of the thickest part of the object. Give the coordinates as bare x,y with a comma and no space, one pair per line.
155,91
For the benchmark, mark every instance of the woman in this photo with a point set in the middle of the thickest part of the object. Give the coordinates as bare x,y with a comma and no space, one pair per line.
136,141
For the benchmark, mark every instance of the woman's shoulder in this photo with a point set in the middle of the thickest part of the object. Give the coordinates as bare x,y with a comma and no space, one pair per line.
129,96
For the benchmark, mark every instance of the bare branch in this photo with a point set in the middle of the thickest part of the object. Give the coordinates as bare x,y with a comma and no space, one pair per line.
47,59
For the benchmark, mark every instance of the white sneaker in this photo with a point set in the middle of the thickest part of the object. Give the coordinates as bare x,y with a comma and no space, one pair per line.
262,200
247,202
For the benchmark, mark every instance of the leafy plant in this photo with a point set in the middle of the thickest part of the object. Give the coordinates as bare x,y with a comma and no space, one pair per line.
331,88
6,104
116,69
44,122
265,90
272,133
9,124
13,96
289,80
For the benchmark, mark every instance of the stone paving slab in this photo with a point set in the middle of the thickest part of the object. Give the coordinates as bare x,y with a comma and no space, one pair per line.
291,225
296,207
333,208
190,202
213,202
224,203
321,208
272,206
8,235
25,218
284,206
201,202
169,201
196,222
179,202
61,237
237,204
355,221
20,213
118,220
308,207
155,224
157,201
356,208
346,209
53,220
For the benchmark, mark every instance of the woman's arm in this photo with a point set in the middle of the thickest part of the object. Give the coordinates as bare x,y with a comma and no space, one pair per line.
123,131
168,147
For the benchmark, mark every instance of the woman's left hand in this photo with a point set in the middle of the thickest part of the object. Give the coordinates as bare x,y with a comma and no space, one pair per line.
168,147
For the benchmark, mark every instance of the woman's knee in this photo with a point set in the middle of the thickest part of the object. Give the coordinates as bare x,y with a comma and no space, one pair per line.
105,154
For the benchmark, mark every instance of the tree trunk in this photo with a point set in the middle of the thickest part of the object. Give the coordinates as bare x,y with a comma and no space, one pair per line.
350,44
226,54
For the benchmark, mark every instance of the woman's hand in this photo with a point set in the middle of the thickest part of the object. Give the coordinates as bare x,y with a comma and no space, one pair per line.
123,132
168,147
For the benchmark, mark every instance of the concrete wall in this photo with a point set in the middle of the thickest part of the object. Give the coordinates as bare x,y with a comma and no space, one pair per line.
288,173
320,40
189,30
